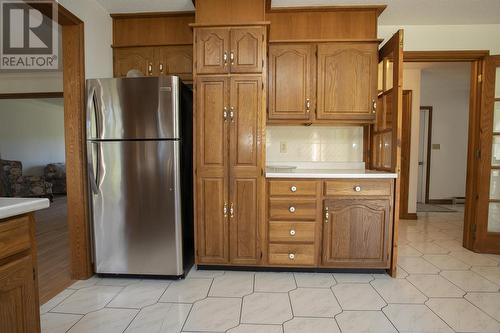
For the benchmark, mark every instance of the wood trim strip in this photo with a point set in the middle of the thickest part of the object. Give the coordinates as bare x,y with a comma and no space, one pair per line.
444,56
240,24
148,45
152,14
74,88
33,95
440,201
378,8
405,153
429,148
340,40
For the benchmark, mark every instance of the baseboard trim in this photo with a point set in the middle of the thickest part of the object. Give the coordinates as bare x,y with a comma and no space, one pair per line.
408,216
440,201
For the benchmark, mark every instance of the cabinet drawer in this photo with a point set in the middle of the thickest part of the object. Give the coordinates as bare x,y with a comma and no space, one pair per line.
292,209
355,187
292,188
291,231
291,254
14,236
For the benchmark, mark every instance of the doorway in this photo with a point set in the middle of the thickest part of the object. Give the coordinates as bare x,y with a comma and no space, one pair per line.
424,139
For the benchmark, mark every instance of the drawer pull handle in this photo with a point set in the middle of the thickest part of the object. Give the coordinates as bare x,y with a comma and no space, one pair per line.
293,188
291,256
292,232
357,188
291,209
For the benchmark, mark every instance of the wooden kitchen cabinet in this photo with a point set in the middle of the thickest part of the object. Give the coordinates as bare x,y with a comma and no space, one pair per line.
140,58
292,81
19,302
153,61
212,170
212,50
347,81
229,50
246,55
176,60
245,146
229,168
356,232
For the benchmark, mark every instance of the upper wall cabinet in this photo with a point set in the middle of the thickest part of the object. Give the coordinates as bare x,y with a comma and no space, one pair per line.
140,58
226,50
347,81
292,78
161,60
321,83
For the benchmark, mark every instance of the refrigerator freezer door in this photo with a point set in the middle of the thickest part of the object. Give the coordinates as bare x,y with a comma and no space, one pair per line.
136,207
133,108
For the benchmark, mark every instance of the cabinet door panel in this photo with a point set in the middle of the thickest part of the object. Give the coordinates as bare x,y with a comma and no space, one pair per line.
291,81
18,309
212,45
246,50
212,233
211,95
347,81
177,60
246,136
357,233
211,166
244,241
140,58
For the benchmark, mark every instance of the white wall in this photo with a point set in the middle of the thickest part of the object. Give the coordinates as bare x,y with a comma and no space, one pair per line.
447,37
98,36
411,81
32,131
446,89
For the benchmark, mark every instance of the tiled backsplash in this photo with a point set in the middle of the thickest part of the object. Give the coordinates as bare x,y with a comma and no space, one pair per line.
338,144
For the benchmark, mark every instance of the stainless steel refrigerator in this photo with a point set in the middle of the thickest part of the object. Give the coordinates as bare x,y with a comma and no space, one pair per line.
139,149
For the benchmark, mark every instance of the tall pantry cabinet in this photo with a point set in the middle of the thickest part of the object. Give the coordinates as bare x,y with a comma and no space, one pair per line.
230,99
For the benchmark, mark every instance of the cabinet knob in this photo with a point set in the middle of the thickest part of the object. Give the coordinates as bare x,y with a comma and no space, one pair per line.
291,209
293,188
161,68
291,256
292,232
357,188
150,69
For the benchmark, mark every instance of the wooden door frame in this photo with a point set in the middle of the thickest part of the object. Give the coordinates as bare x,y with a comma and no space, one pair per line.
74,139
405,162
477,60
429,155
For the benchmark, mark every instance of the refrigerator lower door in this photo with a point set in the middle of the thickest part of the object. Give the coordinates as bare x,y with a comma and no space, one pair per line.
136,208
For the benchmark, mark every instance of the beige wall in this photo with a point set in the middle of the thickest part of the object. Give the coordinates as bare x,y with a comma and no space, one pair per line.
447,37
32,131
411,81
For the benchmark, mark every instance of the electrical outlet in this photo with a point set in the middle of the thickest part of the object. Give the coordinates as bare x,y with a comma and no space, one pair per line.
283,147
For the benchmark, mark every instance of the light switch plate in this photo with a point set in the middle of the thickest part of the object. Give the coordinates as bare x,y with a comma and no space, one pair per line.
436,146
283,147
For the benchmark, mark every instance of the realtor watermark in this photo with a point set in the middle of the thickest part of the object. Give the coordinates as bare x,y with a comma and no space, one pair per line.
29,33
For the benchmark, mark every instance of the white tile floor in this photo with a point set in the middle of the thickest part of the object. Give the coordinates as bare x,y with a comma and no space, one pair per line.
441,287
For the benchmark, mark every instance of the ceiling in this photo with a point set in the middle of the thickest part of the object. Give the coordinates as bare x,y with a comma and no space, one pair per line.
398,12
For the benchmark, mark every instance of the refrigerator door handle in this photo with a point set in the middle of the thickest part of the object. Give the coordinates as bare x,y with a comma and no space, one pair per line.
92,111
93,169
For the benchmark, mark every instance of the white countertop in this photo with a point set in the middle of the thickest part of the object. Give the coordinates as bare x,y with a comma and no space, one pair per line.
17,206
328,173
